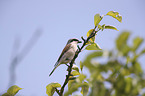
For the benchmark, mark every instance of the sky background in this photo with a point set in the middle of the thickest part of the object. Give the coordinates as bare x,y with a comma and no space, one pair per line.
58,21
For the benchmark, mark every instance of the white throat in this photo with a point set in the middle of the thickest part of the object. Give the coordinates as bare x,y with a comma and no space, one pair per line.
74,42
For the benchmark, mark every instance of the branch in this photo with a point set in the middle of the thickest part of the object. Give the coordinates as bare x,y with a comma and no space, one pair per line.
76,55
19,57
57,91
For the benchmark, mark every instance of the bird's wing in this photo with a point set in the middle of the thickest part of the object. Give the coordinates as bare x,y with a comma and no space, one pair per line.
67,47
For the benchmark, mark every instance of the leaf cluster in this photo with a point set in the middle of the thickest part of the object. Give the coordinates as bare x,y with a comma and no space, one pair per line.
122,68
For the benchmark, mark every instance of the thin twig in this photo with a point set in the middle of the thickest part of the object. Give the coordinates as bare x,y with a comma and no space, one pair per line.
57,91
76,55
83,38
19,57
78,47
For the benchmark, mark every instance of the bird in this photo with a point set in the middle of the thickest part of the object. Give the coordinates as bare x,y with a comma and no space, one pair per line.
67,54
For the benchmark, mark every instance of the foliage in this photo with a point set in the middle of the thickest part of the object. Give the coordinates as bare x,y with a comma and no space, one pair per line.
122,68
122,71
50,88
12,90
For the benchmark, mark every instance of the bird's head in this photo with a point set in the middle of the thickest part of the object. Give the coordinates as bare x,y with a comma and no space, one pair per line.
74,40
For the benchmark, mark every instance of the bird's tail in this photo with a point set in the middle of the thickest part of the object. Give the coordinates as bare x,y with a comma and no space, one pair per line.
55,66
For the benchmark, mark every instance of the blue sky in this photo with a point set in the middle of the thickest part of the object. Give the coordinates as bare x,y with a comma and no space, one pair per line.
59,21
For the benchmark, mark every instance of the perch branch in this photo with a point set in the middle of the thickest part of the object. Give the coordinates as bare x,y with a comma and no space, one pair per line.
76,55
57,91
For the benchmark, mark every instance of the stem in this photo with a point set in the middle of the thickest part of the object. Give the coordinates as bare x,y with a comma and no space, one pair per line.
57,91
76,55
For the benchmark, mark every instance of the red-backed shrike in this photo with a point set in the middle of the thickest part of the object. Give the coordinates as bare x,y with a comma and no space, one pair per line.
67,53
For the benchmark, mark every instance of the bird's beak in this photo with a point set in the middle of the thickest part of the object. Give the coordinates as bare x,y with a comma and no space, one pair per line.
79,41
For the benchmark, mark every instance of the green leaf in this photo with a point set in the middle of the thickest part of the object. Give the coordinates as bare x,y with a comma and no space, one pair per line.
93,46
98,89
72,78
128,87
137,68
73,86
87,62
85,89
110,27
125,50
81,65
101,27
121,41
74,73
81,77
71,83
75,67
136,43
89,33
125,72
115,15
12,91
50,88
97,19
142,52
6,94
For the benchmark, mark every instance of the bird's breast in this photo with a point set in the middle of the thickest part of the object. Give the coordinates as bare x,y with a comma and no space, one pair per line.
72,50
74,47
68,56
